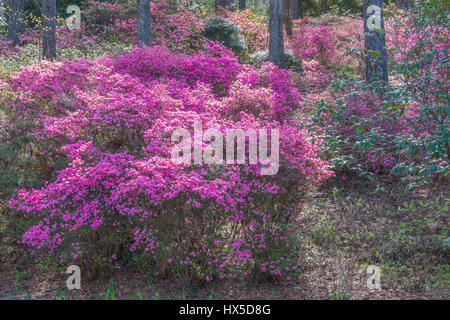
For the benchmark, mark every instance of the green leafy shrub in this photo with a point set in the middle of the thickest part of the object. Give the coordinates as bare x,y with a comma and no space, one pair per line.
345,6
290,61
224,30
402,129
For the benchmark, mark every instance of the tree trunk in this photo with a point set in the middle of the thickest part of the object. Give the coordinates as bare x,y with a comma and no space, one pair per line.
260,3
276,41
323,6
374,42
295,9
49,29
241,4
143,23
287,16
15,21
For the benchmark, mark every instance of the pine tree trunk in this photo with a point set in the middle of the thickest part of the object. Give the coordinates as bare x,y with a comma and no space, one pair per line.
276,41
49,29
143,23
287,16
15,21
374,42
241,4
260,3
295,9
323,6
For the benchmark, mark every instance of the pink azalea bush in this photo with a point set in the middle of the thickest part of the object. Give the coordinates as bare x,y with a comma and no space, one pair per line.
110,28
180,30
322,49
101,131
364,130
253,27
6,50
402,129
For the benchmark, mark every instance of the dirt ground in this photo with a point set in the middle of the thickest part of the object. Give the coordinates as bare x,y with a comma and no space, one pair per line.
344,228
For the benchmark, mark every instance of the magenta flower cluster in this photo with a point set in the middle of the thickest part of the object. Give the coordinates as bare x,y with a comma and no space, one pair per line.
104,129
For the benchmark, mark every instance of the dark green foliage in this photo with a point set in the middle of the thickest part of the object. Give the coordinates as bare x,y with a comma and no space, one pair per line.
407,123
225,31
35,6
290,60
16,163
307,8
345,6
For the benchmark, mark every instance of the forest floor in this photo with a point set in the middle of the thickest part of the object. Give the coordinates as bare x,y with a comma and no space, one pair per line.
344,228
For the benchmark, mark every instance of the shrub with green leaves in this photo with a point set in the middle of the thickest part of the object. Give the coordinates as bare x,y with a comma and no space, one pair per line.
290,61
345,6
225,31
402,129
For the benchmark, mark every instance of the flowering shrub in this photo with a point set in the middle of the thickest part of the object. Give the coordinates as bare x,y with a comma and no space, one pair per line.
402,129
217,66
103,130
423,65
285,98
253,27
108,27
314,42
323,49
290,61
315,47
6,49
226,32
360,132
180,31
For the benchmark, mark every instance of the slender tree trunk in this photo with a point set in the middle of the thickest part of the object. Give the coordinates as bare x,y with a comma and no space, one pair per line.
15,21
241,4
374,41
276,41
49,29
260,3
295,9
143,23
287,16
323,6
